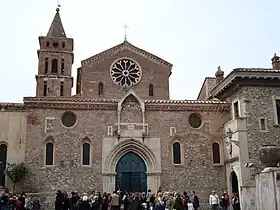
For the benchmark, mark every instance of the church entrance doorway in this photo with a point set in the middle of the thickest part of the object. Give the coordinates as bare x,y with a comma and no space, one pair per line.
3,162
234,183
131,173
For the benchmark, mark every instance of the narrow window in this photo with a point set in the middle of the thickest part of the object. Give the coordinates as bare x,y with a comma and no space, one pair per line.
177,153
54,66
236,109
45,88
278,110
86,154
262,122
216,153
46,65
151,90
49,154
48,44
62,66
61,88
63,44
100,88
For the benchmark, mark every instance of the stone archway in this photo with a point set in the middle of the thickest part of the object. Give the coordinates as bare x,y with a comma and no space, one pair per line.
234,182
131,173
3,162
153,166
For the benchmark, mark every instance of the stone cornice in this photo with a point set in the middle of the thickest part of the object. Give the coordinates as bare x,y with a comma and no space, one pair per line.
12,107
112,104
129,46
259,77
56,51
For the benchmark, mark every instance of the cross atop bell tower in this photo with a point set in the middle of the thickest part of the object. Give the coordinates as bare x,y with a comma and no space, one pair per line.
56,57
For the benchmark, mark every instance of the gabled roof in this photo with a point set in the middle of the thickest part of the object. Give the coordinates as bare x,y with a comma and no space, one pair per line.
56,28
129,46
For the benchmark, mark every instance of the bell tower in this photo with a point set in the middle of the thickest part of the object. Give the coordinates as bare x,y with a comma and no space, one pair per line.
55,57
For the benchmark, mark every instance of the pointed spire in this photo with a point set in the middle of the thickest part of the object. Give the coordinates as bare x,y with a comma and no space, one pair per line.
56,29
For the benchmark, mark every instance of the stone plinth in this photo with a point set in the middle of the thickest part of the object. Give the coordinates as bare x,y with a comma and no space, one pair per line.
267,189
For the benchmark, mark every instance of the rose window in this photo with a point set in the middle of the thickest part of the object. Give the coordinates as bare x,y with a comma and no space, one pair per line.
125,72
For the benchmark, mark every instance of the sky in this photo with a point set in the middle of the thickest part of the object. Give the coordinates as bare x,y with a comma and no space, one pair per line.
195,36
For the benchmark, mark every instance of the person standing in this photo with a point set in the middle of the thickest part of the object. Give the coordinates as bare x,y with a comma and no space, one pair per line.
214,200
115,201
224,201
195,201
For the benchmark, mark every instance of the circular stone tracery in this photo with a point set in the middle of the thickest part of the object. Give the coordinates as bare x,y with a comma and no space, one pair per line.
125,72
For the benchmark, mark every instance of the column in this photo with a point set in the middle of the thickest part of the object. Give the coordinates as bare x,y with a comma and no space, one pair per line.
109,181
153,181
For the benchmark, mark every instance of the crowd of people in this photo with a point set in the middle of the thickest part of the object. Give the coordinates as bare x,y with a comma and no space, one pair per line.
10,201
224,201
127,201
119,200
142,201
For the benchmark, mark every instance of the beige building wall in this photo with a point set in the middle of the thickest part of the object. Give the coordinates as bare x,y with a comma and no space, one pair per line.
13,134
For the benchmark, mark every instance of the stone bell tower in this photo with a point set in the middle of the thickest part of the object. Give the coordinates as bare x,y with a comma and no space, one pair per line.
56,57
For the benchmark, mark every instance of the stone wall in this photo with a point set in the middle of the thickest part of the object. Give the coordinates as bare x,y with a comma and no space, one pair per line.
99,71
13,134
260,106
197,171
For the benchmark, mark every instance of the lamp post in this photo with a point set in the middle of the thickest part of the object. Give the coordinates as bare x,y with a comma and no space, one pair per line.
230,141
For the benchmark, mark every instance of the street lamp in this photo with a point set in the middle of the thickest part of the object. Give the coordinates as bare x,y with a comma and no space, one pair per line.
230,141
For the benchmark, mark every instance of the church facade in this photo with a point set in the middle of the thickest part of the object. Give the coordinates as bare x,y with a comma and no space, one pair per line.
121,129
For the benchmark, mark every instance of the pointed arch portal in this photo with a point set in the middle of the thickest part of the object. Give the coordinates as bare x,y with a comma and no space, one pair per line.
128,164
234,182
131,173
3,162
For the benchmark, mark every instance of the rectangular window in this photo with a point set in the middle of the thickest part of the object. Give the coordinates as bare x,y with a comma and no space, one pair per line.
110,130
46,65
49,154
172,131
86,154
236,109
277,102
61,88
45,88
62,66
263,124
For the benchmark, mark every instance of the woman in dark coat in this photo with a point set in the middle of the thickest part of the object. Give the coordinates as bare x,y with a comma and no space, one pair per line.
105,202
178,202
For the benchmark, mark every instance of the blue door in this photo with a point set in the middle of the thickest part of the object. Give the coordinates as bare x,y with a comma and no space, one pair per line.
131,173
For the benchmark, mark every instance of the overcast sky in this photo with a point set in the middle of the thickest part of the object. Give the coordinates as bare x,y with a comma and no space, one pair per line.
195,36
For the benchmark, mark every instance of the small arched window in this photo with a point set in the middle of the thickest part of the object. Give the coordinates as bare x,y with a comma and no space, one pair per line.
100,88
177,153
151,90
86,154
49,154
54,66
216,153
